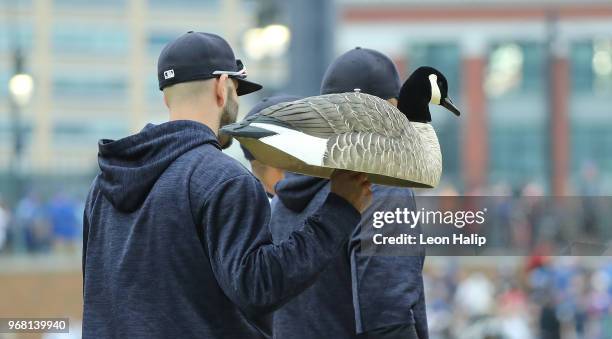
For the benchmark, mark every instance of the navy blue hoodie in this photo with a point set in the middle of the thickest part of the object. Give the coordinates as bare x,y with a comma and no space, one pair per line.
356,296
176,241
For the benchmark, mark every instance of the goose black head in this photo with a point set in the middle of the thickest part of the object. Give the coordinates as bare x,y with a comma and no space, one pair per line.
426,85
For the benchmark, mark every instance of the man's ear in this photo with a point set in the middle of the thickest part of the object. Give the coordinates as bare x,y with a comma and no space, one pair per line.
221,90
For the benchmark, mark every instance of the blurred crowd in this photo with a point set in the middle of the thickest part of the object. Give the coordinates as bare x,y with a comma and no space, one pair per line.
37,225
543,297
519,221
535,296
524,219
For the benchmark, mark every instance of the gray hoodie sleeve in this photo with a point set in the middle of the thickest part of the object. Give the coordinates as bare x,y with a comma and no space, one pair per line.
257,275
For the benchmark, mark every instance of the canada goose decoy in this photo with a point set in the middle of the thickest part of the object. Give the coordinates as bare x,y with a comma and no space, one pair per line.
353,131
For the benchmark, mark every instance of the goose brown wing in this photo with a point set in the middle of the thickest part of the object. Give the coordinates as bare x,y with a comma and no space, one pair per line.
331,114
406,157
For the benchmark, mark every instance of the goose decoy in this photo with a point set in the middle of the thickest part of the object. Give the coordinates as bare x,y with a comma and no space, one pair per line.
353,131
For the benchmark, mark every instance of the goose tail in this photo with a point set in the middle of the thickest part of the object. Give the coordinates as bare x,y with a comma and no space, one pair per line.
252,127
244,129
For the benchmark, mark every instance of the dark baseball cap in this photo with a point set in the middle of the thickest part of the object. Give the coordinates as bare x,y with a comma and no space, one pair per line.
260,106
366,69
200,56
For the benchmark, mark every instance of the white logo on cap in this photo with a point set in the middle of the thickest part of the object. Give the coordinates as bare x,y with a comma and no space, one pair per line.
169,74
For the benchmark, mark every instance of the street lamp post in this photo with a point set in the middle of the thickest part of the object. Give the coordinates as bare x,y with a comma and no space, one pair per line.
312,32
20,86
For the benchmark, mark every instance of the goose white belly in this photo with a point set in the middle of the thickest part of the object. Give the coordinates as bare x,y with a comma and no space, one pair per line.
307,148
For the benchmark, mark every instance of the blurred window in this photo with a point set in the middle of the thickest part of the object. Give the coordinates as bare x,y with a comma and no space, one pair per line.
89,86
514,68
591,66
15,37
89,3
86,132
4,79
158,40
591,85
89,39
592,145
515,87
581,71
183,3
601,65
445,57
153,91
517,153
21,4
7,131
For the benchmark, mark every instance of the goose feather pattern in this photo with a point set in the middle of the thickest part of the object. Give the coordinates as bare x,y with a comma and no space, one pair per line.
352,131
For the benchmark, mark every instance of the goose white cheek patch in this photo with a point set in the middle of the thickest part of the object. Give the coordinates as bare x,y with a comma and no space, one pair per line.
305,147
436,96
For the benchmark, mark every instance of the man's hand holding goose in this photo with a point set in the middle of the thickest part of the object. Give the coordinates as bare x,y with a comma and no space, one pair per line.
354,187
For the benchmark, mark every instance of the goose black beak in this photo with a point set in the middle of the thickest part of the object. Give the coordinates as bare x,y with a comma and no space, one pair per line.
449,105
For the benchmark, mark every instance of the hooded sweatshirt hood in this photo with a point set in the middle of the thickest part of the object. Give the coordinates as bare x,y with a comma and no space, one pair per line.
131,166
296,191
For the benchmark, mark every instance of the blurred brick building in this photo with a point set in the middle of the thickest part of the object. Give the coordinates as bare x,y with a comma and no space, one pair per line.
534,79
94,70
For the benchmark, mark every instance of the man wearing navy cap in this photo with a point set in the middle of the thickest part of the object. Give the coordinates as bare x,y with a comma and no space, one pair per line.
267,174
357,296
175,233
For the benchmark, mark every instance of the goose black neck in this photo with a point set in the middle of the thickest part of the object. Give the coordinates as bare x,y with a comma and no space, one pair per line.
415,107
421,115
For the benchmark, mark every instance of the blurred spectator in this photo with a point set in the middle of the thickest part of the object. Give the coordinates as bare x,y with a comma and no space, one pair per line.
38,225
31,228
4,224
62,215
475,295
589,179
550,327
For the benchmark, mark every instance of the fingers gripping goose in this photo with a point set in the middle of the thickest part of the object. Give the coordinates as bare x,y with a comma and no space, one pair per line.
354,131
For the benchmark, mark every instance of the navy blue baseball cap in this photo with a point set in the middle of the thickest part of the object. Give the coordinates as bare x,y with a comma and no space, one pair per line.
366,69
263,104
200,56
